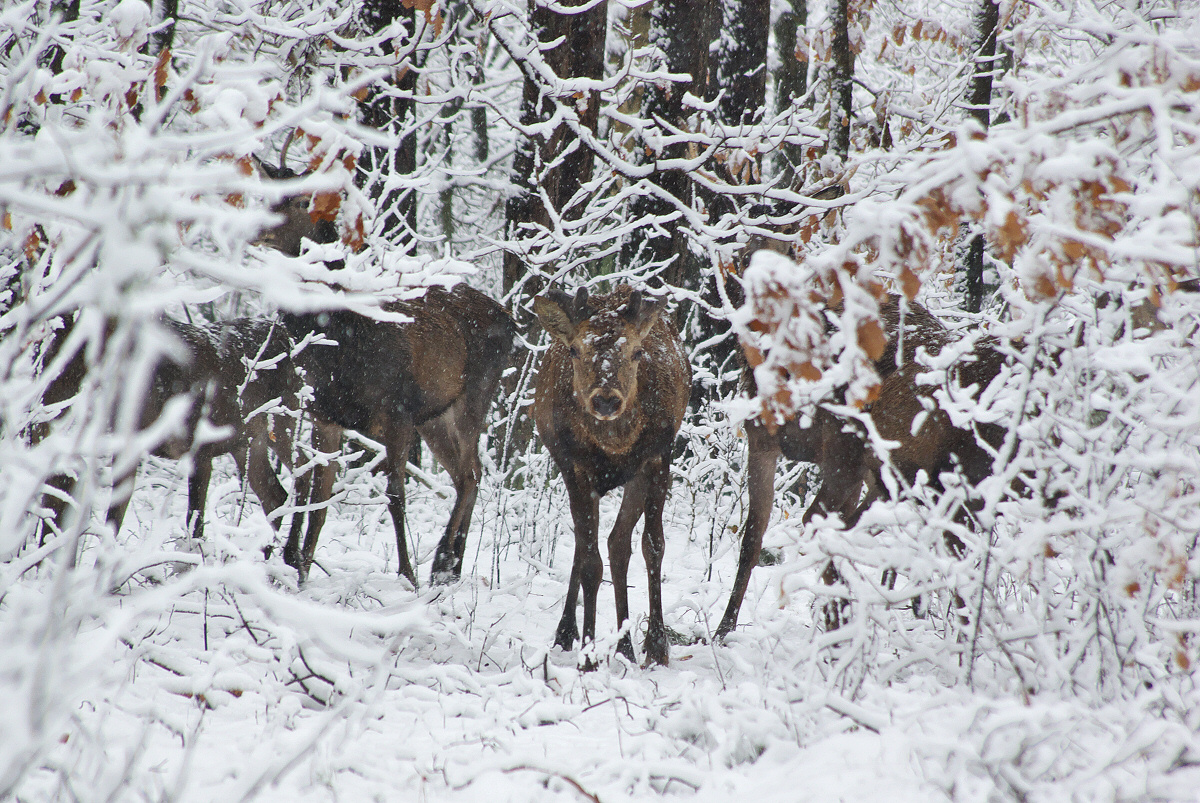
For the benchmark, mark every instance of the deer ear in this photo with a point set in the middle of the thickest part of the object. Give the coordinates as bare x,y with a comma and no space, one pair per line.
552,311
642,313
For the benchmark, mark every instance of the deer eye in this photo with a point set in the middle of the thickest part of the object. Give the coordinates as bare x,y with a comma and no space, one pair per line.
639,355
574,353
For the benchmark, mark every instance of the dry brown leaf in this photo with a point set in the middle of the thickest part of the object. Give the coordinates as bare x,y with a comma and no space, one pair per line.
909,283
33,245
325,206
872,339
1011,236
806,370
161,70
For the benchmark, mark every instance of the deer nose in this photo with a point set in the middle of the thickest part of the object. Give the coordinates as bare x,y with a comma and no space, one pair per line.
606,404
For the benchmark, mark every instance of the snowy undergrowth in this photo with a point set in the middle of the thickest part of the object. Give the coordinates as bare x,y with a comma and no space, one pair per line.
202,673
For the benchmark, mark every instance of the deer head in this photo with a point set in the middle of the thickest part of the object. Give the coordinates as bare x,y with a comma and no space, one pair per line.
299,221
605,348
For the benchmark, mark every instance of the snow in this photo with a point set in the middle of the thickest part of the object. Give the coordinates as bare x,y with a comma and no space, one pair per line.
158,668
455,693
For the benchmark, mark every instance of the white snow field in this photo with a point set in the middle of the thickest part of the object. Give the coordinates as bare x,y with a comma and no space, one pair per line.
203,674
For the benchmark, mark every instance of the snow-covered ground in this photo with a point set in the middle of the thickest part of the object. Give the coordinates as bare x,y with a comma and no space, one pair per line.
207,683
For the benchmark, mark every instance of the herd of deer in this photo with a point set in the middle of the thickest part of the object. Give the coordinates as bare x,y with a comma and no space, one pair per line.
610,398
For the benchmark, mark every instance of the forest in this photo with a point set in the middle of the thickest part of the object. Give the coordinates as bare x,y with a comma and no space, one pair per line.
934,267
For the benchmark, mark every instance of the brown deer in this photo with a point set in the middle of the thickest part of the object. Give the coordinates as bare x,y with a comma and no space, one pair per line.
851,471
434,376
233,375
611,393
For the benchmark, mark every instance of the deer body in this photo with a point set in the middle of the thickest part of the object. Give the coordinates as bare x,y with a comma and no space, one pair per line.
851,471
611,393
231,374
435,376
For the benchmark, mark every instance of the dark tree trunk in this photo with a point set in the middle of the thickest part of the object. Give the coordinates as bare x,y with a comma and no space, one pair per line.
741,69
979,101
391,109
841,94
791,81
739,82
164,39
681,30
579,54
68,12
523,203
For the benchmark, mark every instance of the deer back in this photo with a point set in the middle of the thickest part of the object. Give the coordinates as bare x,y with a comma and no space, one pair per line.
232,369
613,386
454,343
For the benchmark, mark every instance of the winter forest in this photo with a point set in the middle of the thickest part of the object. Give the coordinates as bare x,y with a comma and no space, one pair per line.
270,268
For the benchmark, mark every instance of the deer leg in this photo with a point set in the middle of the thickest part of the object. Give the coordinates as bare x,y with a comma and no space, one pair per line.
653,545
397,441
264,481
198,492
327,439
454,441
763,455
122,492
620,548
567,630
587,568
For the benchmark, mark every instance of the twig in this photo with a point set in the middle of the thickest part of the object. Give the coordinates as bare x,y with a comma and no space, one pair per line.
585,794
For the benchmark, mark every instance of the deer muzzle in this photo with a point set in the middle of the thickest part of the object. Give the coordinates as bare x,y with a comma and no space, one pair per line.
605,404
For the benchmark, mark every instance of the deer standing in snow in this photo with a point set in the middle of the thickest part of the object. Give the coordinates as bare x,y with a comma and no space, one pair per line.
611,393
851,471
239,377
434,375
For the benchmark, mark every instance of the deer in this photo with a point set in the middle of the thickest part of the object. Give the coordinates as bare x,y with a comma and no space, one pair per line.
610,396
434,376
233,375
850,469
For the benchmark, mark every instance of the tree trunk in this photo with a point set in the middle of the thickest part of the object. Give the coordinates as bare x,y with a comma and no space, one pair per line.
391,110
681,30
841,95
741,69
791,82
979,102
579,54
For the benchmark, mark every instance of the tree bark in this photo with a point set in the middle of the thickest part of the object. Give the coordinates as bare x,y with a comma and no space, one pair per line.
979,105
681,30
841,95
741,69
791,82
542,163
391,110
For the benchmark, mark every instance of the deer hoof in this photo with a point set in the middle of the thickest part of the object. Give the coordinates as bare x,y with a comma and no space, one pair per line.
442,577
446,567
564,637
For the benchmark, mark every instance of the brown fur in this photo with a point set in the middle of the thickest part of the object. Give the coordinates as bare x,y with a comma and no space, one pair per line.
434,376
214,378
851,472
611,393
